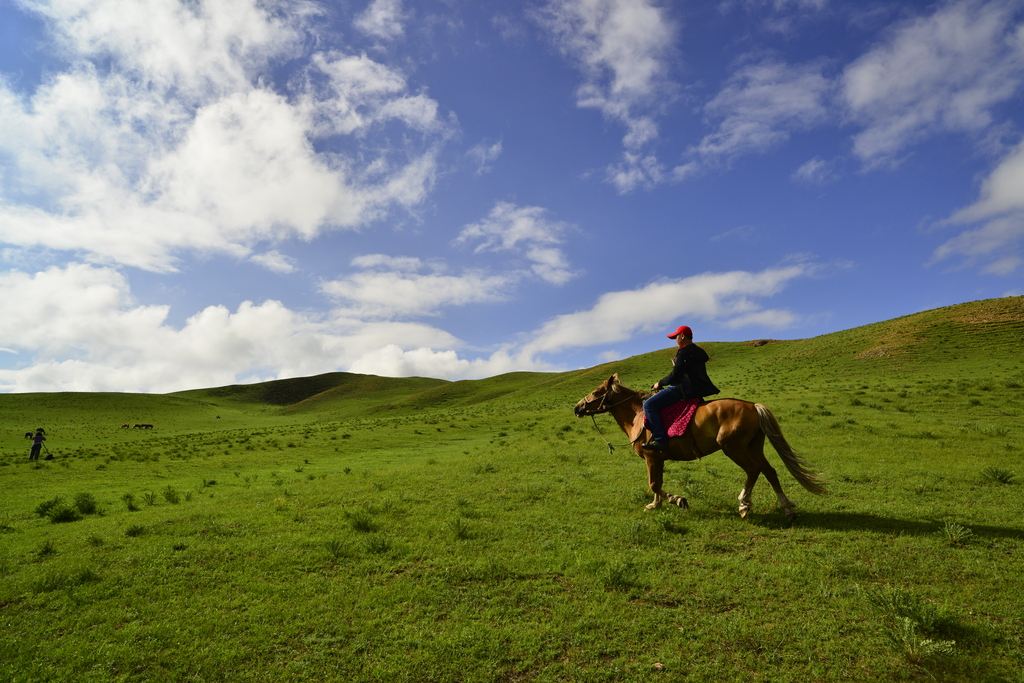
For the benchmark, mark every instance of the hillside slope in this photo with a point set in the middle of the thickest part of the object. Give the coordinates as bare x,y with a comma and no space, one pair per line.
980,338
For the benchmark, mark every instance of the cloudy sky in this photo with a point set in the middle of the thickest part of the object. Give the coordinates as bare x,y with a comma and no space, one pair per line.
202,192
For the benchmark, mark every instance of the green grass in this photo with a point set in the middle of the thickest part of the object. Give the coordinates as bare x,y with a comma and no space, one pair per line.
361,528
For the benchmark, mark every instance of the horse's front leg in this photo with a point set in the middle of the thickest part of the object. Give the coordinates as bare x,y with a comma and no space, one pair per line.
655,478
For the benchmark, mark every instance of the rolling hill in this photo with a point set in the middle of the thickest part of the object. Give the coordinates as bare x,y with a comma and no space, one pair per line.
350,527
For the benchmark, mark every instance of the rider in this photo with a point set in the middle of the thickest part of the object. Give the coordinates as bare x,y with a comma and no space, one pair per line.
37,444
688,379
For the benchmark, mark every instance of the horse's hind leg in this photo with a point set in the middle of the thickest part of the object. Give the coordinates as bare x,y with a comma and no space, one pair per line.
785,504
744,497
742,456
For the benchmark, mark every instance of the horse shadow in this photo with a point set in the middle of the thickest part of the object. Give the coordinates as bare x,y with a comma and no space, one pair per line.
862,521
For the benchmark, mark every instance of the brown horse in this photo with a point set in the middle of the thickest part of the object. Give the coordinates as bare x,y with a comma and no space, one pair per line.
736,427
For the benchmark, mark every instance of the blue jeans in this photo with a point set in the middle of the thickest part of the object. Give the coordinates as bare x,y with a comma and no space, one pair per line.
653,407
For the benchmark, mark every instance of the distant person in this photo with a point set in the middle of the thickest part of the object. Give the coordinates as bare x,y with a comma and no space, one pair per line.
37,443
688,379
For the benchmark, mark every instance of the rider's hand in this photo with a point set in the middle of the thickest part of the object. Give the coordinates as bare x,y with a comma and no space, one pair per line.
656,386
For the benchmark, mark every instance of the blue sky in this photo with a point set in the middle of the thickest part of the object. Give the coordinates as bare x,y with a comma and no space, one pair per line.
198,193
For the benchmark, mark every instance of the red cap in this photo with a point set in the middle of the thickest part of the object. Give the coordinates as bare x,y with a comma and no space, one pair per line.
682,330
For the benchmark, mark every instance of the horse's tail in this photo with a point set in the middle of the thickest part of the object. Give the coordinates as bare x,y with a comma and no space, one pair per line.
807,477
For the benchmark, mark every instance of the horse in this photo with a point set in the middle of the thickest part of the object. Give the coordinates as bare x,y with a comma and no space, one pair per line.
736,427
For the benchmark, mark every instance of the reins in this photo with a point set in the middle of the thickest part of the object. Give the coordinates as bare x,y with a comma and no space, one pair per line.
602,409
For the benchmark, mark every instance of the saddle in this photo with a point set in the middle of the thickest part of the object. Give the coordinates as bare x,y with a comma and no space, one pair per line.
678,416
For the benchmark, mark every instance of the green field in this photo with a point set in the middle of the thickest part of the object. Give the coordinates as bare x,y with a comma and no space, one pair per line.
346,527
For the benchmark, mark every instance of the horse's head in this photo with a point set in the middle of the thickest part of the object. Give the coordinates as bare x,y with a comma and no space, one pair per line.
597,400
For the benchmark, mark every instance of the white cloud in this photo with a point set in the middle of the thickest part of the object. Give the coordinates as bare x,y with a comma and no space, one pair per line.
760,105
1001,193
617,316
815,172
78,328
523,229
346,94
391,287
400,263
393,361
275,261
943,72
484,155
997,245
162,135
623,48
638,171
198,49
383,19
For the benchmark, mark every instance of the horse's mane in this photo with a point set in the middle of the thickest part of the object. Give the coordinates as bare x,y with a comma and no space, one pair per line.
643,395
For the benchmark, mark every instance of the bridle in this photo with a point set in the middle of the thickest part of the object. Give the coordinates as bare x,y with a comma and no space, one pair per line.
601,408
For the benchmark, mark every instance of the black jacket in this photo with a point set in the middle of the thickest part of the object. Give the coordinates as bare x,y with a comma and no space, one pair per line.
689,374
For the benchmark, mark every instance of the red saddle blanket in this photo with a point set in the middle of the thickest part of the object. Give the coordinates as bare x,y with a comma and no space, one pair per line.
677,417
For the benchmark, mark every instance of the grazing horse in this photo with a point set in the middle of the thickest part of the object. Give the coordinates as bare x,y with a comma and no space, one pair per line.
736,427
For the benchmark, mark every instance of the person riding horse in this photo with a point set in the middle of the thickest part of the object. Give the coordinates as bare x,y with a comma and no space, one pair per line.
688,379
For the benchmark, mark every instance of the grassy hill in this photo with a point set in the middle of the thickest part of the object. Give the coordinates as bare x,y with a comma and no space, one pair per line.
348,527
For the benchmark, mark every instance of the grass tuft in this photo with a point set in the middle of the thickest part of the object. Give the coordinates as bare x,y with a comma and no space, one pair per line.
361,521
336,549
912,626
956,535
906,636
997,475
619,575
460,529
378,545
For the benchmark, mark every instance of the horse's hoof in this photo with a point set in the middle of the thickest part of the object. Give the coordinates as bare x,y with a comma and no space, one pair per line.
652,506
682,503
744,513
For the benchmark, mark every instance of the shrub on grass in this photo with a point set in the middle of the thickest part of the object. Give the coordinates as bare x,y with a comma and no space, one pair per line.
64,513
44,508
129,501
86,504
171,495
135,530
997,475
47,549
